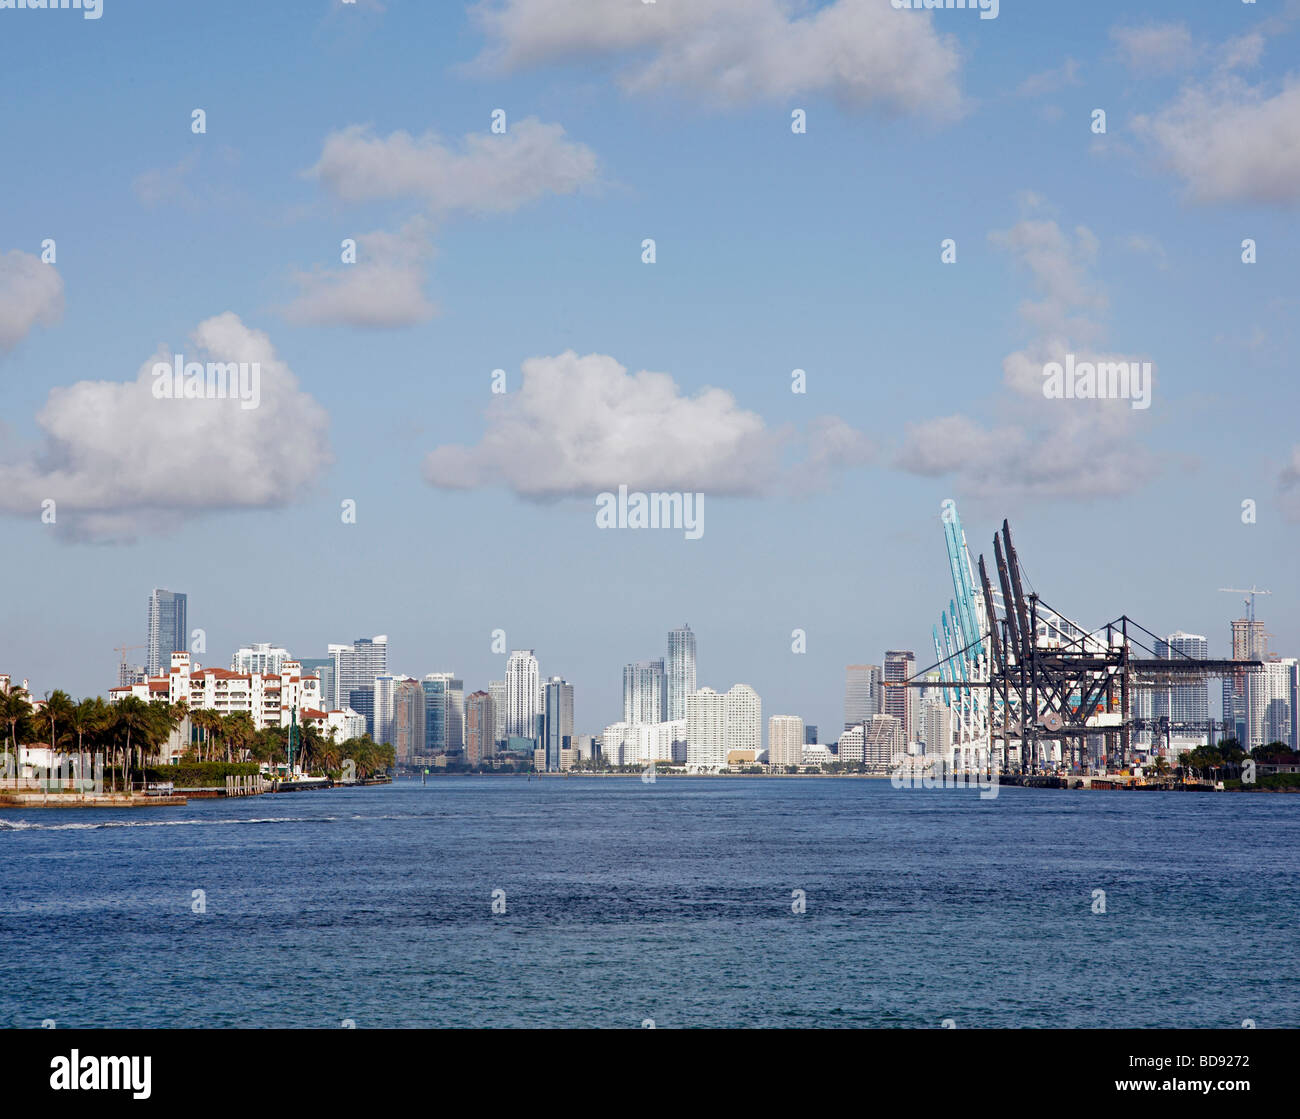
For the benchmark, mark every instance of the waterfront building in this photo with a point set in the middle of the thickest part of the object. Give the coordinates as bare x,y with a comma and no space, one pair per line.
884,742
645,695
814,754
810,734
408,721
706,729
168,629
444,707
383,695
901,703
497,690
557,721
523,694
785,740
679,672
323,669
643,743
744,719
355,668
480,728
862,697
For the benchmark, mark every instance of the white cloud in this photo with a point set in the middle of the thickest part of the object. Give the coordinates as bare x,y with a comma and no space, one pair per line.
1230,142
1049,81
118,461
1157,48
31,292
579,425
861,52
492,173
383,288
1042,448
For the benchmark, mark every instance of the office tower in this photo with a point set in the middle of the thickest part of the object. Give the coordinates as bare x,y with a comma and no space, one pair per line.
706,729
785,740
680,672
557,723
380,721
1278,718
523,694
444,713
323,669
810,734
900,702
480,728
497,690
355,669
861,693
168,629
644,693
408,720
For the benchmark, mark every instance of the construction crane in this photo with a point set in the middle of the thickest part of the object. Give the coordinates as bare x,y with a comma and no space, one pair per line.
1249,601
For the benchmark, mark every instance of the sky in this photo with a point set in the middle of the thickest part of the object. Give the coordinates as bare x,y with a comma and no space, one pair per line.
221,238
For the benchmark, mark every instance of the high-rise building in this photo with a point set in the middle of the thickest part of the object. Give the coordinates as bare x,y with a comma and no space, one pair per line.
884,742
1278,716
1245,692
355,669
861,693
557,722
523,694
408,720
168,629
644,692
497,690
1179,703
900,702
642,743
810,734
785,740
444,713
744,719
706,729
264,659
936,719
480,728
680,671
382,696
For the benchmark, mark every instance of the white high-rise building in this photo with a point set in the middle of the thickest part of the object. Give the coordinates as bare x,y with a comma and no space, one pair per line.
355,669
644,696
744,719
497,690
643,743
706,729
679,671
523,694
264,659
784,740
936,721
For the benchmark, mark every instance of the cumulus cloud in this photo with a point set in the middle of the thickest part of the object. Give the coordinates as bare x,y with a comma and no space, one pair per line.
1230,141
383,288
490,174
31,292
1040,447
730,52
119,461
581,425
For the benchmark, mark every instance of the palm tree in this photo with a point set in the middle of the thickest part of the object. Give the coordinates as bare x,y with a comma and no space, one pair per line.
133,717
15,709
85,718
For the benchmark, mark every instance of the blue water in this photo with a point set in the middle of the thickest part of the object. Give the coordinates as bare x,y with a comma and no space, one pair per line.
669,901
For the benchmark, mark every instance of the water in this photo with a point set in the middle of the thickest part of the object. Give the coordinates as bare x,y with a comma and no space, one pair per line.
671,902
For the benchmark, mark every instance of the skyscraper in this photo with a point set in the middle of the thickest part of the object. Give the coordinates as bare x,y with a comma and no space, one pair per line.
444,713
861,693
168,629
680,671
383,696
355,669
523,694
263,659
1183,703
901,703
706,729
408,720
558,721
480,728
497,690
784,740
1245,693
644,694
744,719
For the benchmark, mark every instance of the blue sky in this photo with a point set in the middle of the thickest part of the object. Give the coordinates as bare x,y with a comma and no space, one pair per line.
775,251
